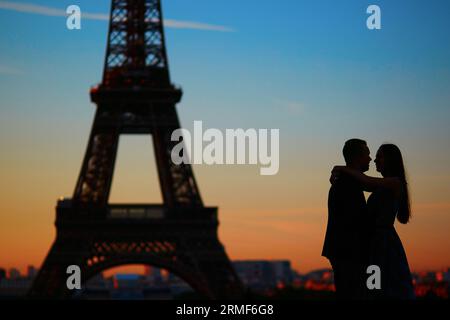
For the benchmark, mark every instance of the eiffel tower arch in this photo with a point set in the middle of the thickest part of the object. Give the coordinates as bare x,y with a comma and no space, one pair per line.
136,96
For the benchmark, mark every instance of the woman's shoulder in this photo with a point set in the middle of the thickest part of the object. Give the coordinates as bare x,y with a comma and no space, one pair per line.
393,186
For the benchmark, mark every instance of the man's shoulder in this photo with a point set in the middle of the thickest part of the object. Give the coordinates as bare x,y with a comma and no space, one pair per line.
342,183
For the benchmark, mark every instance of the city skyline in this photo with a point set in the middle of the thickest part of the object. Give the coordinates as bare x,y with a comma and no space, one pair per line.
140,269
324,78
260,276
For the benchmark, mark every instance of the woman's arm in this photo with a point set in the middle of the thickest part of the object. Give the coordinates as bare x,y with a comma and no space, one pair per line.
370,183
334,178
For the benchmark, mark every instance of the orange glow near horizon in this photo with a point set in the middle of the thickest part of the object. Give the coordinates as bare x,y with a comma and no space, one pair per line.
279,219
244,239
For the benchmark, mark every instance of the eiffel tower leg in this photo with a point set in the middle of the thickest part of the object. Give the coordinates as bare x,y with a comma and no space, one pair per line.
51,280
215,268
94,182
222,279
177,180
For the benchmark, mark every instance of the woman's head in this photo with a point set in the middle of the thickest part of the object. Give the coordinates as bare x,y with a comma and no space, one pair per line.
389,162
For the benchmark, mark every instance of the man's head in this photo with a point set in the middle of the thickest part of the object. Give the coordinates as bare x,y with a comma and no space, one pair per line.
357,154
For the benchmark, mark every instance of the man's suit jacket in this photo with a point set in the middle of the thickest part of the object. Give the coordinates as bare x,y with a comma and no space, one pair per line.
348,230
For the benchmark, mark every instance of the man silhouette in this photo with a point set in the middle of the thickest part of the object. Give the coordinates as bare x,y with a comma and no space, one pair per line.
346,238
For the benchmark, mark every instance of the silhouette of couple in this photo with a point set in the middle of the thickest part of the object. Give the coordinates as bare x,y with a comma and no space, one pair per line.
361,234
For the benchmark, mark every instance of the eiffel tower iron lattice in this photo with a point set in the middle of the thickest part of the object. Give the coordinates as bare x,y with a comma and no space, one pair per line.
136,97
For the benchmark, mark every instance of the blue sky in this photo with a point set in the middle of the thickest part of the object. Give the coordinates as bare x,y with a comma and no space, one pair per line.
310,68
285,52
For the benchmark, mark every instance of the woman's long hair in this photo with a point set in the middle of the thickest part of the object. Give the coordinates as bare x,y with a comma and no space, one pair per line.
394,167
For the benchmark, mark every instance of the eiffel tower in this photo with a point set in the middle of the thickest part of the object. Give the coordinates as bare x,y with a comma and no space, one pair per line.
136,97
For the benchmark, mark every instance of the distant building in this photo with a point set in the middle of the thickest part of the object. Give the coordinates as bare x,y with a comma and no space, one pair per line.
446,275
153,275
2,274
424,277
95,288
148,270
283,272
14,274
31,272
16,287
264,274
320,275
127,287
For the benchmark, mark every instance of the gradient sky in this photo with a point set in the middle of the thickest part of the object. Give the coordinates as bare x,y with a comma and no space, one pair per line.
310,68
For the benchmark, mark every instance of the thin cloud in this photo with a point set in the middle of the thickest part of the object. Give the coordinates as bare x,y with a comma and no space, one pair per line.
55,12
10,71
292,107
176,24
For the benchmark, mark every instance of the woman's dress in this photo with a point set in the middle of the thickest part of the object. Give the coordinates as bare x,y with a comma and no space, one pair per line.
386,249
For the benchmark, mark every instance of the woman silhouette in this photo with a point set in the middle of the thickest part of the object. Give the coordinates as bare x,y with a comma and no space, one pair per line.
389,200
